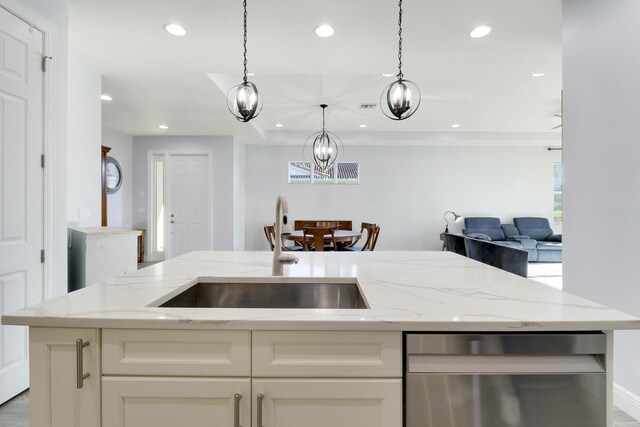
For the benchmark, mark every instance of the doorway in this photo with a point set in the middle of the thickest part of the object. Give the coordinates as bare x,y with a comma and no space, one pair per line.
180,203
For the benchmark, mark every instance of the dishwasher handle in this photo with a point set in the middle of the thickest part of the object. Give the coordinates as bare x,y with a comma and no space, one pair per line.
507,364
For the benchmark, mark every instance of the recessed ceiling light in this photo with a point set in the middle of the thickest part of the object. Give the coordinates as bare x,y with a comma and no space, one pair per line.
363,126
455,125
279,125
537,74
163,127
176,30
106,97
324,30
388,74
480,31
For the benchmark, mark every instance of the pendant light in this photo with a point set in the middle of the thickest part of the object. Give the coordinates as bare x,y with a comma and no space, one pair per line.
324,146
401,98
244,101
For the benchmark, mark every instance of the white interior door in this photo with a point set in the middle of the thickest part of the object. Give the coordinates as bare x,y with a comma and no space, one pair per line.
189,213
21,209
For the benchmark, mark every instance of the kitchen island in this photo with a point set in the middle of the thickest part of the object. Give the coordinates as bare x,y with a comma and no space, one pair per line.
152,365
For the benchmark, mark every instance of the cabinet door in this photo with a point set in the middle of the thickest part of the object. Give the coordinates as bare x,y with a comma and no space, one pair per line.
110,256
328,402
56,400
174,401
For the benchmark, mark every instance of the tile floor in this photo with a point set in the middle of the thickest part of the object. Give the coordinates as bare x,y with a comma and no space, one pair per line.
547,273
15,413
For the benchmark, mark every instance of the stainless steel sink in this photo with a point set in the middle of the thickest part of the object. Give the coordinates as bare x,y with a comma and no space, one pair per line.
264,294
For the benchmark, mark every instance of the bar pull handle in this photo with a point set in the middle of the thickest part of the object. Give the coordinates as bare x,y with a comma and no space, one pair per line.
236,409
80,375
259,410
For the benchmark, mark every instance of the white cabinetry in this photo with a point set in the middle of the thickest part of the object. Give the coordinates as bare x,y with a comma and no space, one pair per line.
327,378
187,378
172,402
100,253
56,400
166,378
328,402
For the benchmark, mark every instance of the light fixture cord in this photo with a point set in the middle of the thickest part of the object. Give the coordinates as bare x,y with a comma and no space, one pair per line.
323,118
245,40
400,75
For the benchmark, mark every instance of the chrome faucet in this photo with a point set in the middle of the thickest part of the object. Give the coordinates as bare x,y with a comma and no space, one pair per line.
282,210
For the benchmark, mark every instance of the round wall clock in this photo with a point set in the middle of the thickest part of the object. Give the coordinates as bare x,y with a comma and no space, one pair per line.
114,175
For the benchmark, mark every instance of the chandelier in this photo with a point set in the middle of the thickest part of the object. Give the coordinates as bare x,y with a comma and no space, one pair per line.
243,100
400,99
324,146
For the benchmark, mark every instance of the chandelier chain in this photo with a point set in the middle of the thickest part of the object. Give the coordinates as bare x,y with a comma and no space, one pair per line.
323,118
245,40
400,75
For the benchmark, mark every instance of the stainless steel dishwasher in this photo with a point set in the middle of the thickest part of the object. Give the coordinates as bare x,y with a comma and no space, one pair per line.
505,380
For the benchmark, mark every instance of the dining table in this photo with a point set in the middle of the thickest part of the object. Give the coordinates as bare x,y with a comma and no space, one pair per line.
343,237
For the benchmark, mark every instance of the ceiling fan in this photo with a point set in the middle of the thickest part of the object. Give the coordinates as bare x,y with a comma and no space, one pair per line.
560,125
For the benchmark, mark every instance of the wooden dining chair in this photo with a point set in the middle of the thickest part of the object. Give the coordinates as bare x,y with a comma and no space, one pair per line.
365,226
270,234
318,234
375,232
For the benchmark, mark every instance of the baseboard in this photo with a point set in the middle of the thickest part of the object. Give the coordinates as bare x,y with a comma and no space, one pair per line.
626,401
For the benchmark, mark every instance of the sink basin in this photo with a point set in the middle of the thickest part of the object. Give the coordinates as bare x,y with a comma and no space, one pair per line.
267,294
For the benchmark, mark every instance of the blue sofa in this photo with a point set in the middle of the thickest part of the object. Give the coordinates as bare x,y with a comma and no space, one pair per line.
489,228
530,234
548,245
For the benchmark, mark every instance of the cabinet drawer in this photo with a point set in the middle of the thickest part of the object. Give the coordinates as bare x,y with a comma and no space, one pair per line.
327,354
173,352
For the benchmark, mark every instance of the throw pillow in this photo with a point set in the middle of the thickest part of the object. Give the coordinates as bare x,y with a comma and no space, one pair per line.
479,236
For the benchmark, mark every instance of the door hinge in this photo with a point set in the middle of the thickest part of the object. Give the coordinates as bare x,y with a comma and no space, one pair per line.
42,256
44,63
42,161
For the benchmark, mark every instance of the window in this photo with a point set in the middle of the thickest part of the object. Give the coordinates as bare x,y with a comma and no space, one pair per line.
339,173
158,170
558,179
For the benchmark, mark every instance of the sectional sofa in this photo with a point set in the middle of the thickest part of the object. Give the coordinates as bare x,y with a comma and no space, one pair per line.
531,234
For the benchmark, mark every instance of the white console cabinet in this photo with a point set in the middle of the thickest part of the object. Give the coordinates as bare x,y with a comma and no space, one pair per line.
99,253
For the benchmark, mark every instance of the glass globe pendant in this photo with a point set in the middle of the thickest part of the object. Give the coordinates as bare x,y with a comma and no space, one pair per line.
400,99
244,100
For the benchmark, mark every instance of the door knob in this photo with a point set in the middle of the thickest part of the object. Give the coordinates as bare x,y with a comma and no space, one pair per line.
172,222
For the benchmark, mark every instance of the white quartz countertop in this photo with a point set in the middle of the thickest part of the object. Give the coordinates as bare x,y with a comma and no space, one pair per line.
410,291
105,231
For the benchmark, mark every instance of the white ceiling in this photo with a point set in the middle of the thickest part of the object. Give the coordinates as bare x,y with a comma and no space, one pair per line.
484,84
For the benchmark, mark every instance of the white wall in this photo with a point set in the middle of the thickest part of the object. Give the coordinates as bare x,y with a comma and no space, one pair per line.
601,152
119,208
84,161
56,13
405,189
239,171
223,179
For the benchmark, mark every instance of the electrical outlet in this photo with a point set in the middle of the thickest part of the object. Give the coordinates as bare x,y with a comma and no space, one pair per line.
84,213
